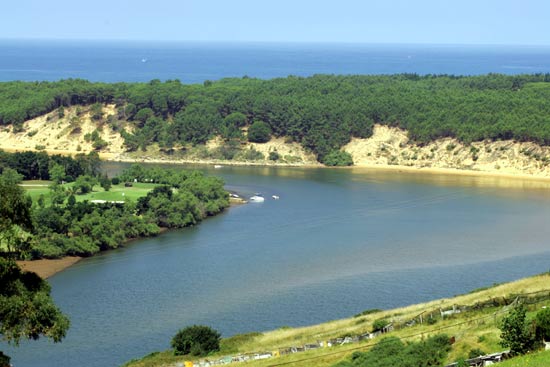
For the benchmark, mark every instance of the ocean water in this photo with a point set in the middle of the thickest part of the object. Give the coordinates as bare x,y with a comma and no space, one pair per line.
197,62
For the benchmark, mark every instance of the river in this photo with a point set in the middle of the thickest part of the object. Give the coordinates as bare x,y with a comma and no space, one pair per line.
338,241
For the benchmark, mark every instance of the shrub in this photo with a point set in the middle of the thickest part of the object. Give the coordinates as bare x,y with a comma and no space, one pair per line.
368,312
379,324
252,155
543,324
115,180
259,132
236,119
515,332
197,340
96,111
338,158
476,352
274,156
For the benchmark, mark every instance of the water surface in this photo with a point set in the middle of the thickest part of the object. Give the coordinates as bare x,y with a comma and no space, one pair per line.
336,243
195,62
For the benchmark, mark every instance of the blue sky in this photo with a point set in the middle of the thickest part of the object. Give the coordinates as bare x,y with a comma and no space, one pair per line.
389,21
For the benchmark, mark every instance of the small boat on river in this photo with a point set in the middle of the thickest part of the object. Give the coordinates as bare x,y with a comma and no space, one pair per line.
257,198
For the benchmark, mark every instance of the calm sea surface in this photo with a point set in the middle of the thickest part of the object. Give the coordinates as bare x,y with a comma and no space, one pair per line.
336,243
196,62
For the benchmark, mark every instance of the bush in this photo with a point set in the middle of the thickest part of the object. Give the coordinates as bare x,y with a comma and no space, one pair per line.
379,324
368,312
115,180
274,156
252,155
515,332
476,352
197,340
543,324
96,111
338,158
259,132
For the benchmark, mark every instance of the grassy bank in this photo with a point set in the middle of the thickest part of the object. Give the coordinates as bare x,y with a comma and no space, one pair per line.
541,359
474,329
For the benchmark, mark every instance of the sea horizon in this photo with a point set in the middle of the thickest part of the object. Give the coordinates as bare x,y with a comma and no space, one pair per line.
195,61
268,42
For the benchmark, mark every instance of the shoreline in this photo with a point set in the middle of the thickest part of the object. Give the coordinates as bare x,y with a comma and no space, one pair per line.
49,267
46,268
362,166
452,172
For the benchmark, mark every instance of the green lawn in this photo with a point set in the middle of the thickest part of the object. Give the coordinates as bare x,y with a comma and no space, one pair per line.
116,193
35,188
541,359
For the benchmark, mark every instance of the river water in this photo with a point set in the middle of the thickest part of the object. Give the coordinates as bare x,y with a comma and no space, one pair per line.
338,241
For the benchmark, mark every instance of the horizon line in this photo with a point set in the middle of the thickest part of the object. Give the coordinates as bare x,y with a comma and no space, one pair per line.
274,42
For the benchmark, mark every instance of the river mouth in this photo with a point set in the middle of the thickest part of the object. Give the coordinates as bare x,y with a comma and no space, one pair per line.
335,243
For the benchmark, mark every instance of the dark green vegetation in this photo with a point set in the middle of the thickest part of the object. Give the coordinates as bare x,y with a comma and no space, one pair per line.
41,166
522,335
322,112
196,340
392,352
26,309
62,223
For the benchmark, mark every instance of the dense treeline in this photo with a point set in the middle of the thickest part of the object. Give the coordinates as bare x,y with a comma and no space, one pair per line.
321,112
37,165
63,225
183,198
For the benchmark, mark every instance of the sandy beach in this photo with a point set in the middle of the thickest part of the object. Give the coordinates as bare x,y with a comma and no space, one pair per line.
48,267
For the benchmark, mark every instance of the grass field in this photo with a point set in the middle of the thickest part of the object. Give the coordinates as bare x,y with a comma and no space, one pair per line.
116,193
540,359
472,330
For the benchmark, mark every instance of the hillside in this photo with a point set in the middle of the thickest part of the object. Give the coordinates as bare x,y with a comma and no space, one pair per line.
321,113
391,147
71,134
473,328
64,135
388,147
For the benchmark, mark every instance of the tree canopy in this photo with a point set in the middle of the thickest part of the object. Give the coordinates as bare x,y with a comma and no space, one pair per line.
26,309
322,112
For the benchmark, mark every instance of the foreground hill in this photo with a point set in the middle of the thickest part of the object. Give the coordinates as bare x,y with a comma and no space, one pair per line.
475,328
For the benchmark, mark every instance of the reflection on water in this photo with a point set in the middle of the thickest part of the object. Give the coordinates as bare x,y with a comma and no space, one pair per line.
337,242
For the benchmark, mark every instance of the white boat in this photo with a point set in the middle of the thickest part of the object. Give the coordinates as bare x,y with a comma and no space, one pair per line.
257,198
276,197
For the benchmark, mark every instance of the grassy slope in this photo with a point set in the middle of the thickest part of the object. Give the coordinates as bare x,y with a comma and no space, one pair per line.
476,329
541,359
